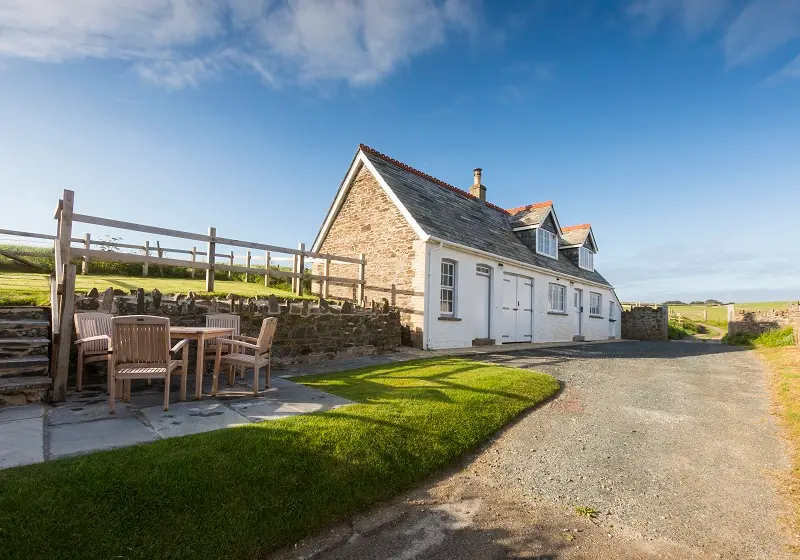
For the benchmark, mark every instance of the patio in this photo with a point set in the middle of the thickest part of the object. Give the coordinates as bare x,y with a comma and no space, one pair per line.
82,424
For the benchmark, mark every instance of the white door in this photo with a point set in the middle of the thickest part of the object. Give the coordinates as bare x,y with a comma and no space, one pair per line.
578,311
483,279
517,308
525,310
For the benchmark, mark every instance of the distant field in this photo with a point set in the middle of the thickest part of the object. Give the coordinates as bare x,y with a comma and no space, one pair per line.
720,312
20,288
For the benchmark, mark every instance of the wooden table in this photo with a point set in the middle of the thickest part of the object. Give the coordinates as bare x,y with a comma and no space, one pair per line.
201,335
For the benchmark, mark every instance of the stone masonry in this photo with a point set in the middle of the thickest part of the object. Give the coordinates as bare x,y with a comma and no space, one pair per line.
760,321
369,222
645,323
307,331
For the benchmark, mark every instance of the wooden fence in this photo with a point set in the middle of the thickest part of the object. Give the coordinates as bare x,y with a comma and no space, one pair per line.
62,281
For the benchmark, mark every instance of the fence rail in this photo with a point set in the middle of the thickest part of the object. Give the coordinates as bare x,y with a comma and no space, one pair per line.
62,281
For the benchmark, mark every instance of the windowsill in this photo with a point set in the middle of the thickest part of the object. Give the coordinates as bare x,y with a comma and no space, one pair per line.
555,258
557,313
612,320
586,269
595,316
448,318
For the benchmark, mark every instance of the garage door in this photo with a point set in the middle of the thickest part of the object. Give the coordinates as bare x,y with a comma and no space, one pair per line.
517,308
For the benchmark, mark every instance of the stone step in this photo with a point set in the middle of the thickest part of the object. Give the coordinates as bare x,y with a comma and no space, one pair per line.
24,312
24,328
24,366
24,390
24,346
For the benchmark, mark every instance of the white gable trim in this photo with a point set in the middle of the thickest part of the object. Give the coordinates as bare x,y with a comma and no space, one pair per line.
358,162
552,212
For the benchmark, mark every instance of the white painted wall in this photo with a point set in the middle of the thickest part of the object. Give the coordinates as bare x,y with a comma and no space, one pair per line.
547,327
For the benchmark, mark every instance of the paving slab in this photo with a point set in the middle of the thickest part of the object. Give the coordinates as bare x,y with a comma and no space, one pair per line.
73,414
192,418
258,410
83,437
12,413
21,442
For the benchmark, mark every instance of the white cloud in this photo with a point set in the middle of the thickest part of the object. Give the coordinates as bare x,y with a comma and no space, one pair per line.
179,43
696,16
760,28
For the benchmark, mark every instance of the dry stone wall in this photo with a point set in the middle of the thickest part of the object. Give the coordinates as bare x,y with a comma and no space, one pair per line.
307,331
760,321
645,323
369,222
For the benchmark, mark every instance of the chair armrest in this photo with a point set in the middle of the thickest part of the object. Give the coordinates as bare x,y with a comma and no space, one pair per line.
93,338
250,339
236,343
180,345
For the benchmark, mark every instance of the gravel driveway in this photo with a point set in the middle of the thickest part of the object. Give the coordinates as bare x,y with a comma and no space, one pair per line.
672,444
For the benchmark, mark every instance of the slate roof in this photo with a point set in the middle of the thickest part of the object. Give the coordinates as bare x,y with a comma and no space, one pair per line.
575,235
531,215
451,214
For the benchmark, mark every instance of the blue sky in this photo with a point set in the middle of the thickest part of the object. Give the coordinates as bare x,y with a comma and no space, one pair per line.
673,126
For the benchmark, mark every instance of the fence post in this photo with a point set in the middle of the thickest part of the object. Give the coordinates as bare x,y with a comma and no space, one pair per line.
301,266
65,228
230,272
294,271
194,260
65,333
266,271
87,243
362,274
326,283
210,249
145,266
160,256
247,274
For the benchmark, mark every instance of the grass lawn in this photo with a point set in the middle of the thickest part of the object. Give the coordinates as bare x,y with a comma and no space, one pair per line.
785,364
243,492
25,288
719,313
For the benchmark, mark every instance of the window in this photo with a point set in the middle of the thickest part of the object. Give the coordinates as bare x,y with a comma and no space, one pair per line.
586,259
595,304
448,294
557,297
546,243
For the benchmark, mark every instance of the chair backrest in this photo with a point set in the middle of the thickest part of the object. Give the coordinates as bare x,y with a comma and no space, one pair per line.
92,323
225,321
267,334
140,339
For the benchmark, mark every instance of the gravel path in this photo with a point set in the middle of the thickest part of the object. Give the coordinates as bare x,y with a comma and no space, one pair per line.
673,444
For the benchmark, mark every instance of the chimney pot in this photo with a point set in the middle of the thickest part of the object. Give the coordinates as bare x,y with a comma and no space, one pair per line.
477,189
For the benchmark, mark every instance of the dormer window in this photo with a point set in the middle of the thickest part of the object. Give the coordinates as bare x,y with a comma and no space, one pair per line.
586,259
546,243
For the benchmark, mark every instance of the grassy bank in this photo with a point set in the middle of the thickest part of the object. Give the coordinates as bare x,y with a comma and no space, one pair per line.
770,339
23,288
785,365
243,492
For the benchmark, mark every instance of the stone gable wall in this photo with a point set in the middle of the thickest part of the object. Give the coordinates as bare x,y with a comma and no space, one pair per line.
645,323
369,222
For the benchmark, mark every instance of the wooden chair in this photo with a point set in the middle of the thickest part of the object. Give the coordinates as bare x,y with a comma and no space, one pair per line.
94,335
224,321
140,350
262,354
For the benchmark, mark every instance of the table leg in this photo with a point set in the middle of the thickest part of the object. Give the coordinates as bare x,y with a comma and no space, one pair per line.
198,373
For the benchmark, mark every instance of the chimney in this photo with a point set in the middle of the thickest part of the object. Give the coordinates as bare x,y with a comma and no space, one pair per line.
477,190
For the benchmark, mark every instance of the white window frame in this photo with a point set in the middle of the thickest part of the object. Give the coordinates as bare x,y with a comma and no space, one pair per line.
598,310
546,243
445,288
557,304
586,258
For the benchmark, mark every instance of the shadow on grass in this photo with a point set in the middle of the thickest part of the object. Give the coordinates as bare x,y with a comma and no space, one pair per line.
243,492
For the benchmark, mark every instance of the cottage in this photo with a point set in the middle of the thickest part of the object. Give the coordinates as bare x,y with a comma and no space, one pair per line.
462,270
